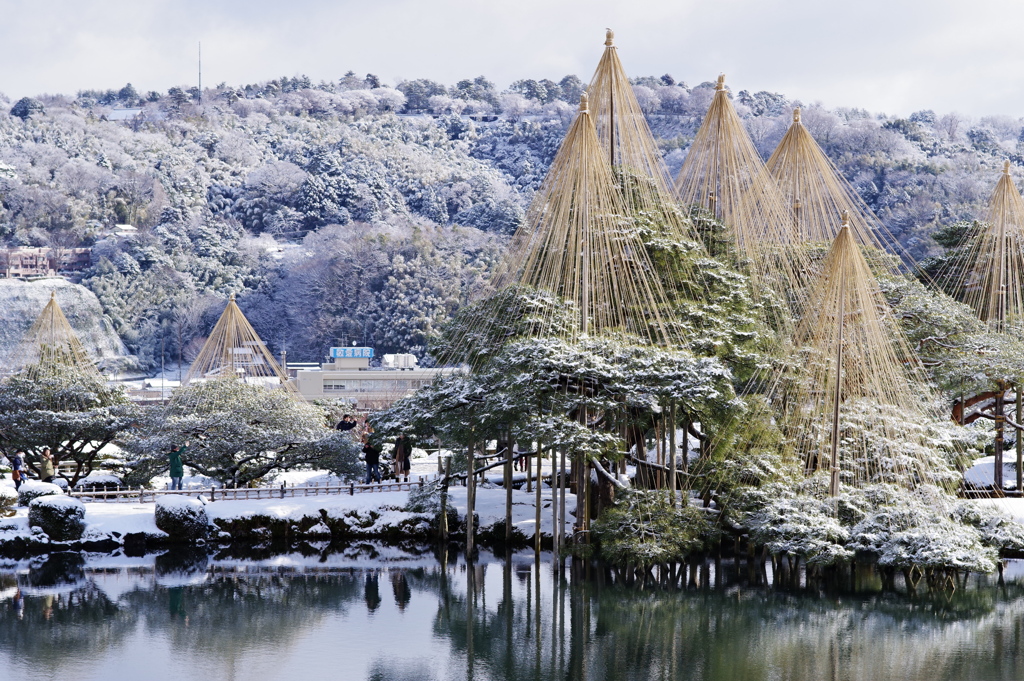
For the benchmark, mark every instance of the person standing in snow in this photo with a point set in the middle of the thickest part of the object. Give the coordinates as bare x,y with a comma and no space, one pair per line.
519,459
46,470
346,424
371,453
177,468
403,457
18,469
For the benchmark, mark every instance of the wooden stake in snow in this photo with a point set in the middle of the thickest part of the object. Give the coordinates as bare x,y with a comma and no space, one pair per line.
470,500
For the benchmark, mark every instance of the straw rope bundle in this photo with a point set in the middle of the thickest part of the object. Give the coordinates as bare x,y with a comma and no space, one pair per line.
992,278
51,347
235,350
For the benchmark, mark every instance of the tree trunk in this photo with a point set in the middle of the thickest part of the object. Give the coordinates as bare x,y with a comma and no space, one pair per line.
997,474
508,490
1018,441
672,452
470,500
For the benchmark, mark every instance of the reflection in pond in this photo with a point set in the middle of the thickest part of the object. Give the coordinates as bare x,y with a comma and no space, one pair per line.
185,613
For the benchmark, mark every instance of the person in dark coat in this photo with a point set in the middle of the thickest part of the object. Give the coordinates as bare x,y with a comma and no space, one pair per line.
177,468
346,424
18,472
403,457
371,453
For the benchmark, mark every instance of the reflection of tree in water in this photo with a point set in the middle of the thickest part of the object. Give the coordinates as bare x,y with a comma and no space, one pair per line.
628,633
753,634
585,629
371,593
65,616
400,587
236,614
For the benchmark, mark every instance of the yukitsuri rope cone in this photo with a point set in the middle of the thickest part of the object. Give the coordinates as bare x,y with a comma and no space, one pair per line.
724,174
817,194
630,147
578,244
51,347
992,278
856,372
235,350
989,279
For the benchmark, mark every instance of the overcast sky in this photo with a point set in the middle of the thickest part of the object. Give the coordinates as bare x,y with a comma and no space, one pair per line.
893,56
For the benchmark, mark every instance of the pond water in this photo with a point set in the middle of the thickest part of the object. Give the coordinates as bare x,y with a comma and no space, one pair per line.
379,612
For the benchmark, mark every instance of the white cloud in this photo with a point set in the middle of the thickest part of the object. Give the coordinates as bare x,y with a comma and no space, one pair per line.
894,56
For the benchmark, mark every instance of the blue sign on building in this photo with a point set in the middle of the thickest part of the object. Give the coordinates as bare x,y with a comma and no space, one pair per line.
351,353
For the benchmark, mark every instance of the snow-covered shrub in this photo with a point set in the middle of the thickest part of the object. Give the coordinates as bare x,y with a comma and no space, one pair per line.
919,530
34,489
425,499
62,518
643,530
997,530
96,482
181,517
801,525
8,497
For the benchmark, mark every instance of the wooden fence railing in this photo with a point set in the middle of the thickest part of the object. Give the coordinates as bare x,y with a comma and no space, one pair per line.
140,495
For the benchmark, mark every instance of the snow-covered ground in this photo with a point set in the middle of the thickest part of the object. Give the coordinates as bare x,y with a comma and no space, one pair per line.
120,519
980,474
1014,508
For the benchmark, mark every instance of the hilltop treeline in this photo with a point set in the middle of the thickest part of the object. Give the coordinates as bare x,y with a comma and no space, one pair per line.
351,211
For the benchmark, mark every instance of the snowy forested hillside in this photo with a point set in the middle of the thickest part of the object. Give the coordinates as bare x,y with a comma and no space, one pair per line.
350,211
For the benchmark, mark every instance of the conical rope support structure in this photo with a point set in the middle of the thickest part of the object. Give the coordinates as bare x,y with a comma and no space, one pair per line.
51,347
856,402
577,267
234,351
991,276
724,174
631,149
817,194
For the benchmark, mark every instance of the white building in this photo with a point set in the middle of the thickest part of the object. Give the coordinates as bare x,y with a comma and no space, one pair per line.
350,378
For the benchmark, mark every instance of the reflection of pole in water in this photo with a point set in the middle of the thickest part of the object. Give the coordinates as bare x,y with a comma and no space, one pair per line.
470,602
506,597
577,669
536,609
554,612
561,616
